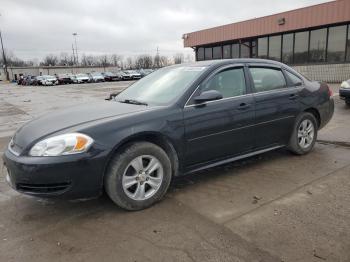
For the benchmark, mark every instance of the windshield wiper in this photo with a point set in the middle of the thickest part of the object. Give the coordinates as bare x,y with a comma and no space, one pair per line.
134,102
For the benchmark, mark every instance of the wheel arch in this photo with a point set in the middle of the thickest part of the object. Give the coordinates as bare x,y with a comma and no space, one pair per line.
316,114
152,137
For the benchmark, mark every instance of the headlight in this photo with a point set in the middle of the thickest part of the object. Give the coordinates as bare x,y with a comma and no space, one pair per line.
345,84
66,144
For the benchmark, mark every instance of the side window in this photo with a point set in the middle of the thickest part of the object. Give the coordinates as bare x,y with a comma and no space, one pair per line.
229,83
266,79
296,81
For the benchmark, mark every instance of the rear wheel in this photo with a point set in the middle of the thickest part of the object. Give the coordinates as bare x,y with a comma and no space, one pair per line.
347,102
138,176
304,134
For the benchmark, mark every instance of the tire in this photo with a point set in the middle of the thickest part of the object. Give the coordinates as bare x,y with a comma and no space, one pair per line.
295,144
347,102
121,171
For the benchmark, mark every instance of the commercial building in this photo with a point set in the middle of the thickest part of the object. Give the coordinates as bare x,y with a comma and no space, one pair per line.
315,40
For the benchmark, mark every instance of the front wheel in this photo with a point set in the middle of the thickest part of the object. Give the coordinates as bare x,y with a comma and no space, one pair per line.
138,176
304,134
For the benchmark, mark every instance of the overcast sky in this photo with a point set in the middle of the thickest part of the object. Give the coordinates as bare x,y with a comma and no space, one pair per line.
34,28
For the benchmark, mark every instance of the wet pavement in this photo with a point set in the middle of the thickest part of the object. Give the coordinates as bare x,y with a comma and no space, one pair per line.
271,207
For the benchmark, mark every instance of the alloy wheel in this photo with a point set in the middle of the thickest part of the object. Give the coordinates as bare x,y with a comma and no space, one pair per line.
142,177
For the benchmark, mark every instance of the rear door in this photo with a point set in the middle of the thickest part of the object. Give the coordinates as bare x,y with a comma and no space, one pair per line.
221,128
276,105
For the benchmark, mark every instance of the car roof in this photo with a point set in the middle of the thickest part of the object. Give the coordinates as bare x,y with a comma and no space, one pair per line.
232,61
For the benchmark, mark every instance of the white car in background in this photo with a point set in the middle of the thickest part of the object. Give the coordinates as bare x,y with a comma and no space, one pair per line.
48,80
96,77
81,78
134,74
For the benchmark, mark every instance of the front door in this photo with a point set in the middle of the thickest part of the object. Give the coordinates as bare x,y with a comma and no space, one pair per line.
221,128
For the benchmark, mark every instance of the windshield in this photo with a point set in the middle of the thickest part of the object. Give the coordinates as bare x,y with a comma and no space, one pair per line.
96,74
162,86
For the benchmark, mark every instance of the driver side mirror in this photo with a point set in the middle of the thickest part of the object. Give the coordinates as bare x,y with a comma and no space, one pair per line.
209,95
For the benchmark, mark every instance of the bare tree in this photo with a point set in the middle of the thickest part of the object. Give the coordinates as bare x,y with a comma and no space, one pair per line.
116,60
144,61
89,60
50,60
129,63
178,58
104,61
65,59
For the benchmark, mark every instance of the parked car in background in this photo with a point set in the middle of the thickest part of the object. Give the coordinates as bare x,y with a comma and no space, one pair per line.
38,81
64,79
109,76
145,72
49,80
344,92
96,77
124,75
134,74
81,78
179,120
28,80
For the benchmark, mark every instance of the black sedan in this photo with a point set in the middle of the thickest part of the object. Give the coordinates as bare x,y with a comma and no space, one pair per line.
176,121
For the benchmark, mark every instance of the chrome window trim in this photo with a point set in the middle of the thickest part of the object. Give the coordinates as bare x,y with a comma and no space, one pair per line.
279,90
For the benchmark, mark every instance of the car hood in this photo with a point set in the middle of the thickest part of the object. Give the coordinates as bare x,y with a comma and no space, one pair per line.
71,118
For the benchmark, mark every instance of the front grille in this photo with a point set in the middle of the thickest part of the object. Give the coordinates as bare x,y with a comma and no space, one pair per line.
43,188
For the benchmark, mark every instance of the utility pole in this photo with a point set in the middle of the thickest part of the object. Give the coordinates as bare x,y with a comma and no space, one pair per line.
73,55
4,57
76,47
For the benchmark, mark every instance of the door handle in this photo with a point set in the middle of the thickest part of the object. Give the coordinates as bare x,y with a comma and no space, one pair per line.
293,96
243,106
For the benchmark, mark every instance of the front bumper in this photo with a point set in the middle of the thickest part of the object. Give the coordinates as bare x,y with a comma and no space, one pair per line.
344,93
72,177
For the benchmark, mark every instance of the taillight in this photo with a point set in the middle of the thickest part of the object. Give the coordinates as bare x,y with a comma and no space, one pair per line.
330,92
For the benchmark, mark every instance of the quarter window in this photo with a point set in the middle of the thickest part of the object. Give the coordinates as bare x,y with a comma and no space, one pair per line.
296,81
229,83
266,79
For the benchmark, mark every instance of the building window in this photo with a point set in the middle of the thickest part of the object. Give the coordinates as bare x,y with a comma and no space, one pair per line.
262,47
348,45
336,43
254,48
200,54
318,40
217,52
235,51
245,49
301,47
226,50
275,47
208,53
287,48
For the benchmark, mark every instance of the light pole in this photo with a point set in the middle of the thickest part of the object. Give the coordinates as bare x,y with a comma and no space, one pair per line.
76,47
4,57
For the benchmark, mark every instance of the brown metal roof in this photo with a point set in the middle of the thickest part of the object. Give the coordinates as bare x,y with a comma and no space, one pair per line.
307,17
